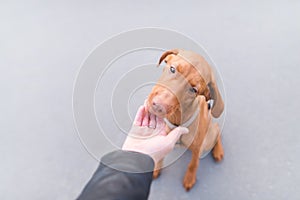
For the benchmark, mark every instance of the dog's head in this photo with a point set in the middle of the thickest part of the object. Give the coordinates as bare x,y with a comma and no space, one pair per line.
185,76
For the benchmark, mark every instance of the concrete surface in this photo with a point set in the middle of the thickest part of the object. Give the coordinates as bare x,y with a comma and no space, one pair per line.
255,45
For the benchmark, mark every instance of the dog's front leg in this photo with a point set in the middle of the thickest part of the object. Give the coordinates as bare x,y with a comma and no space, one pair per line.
190,175
201,131
157,169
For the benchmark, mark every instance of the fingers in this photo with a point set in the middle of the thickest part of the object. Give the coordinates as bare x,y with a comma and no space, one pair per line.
145,105
139,116
175,134
152,122
145,121
144,118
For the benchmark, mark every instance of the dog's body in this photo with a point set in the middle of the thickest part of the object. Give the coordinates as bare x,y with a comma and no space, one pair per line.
182,92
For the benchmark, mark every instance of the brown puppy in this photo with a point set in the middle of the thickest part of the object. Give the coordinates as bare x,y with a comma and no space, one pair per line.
180,96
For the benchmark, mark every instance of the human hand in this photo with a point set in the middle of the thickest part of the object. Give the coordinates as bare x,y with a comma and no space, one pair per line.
148,136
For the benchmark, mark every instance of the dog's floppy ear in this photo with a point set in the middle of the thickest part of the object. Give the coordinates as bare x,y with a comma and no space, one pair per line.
218,105
173,51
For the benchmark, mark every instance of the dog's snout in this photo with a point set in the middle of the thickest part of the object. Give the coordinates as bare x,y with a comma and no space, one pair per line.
158,107
161,101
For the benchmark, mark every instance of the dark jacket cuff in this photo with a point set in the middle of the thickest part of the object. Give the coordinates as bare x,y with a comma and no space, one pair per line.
119,160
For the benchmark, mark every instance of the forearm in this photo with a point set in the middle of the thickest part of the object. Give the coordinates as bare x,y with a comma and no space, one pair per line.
121,175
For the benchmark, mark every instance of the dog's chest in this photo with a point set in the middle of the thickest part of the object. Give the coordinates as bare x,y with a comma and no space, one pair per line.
208,142
187,139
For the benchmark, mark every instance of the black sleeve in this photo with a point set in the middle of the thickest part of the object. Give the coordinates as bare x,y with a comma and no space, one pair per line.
120,175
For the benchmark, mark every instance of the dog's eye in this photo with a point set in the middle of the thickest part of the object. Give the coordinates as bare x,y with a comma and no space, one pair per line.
172,69
194,90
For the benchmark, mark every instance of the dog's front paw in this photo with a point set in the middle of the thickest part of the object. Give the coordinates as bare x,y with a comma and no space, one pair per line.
189,181
218,155
218,152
